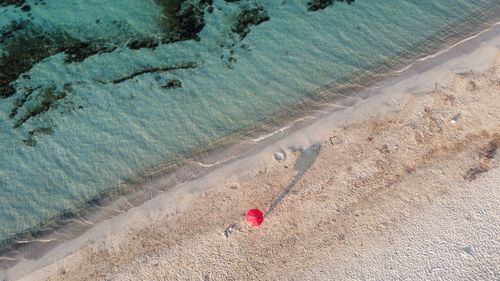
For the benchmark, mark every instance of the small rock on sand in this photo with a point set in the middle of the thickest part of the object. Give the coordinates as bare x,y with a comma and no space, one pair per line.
279,156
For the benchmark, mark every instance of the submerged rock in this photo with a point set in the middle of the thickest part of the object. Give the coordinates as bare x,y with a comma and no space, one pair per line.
25,46
78,51
22,51
182,19
143,43
249,17
31,141
26,8
17,3
187,65
172,84
43,101
316,5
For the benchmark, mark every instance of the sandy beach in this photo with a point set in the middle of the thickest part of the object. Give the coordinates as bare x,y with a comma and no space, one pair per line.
402,185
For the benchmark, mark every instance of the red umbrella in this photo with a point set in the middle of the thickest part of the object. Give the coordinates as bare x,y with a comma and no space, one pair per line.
254,217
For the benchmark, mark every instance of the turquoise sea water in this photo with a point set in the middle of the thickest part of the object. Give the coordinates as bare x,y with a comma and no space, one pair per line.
75,127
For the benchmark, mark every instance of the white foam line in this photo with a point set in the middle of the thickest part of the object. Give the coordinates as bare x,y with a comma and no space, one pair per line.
321,111
375,87
445,50
36,240
280,130
271,134
86,222
337,105
215,163
9,259
113,209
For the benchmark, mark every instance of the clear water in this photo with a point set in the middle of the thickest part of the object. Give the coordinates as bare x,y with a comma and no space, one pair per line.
104,132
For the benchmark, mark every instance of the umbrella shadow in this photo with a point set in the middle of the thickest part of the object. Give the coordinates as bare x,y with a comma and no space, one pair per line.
305,161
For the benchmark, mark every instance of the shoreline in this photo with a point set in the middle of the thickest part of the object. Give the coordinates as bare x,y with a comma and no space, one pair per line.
268,145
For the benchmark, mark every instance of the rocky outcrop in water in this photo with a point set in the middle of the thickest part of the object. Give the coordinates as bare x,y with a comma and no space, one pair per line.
31,105
182,19
21,52
78,51
30,139
316,5
154,70
45,100
25,45
172,84
137,44
17,3
248,17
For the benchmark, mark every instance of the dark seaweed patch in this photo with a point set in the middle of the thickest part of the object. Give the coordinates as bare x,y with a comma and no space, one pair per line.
143,43
8,30
248,17
79,51
25,46
172,84
155,69
17,3
182,20
31,141
45,100
20,101
26,8
316,5
22,52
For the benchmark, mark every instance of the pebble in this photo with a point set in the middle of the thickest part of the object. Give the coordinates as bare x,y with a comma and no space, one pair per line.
455,118
279,156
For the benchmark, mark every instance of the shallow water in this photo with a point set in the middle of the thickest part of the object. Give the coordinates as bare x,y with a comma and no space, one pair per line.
82,125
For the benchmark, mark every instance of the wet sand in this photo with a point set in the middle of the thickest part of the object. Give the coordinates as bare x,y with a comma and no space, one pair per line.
404,184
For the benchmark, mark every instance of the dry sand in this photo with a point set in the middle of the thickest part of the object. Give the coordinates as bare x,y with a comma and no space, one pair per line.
410,190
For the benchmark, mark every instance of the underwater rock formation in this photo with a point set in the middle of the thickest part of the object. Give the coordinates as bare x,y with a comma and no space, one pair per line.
154,70
45,100
17,3
31,141
172,84
137,44
79,50
22,51
25,45
249,17
182,19
315,5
